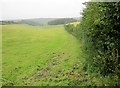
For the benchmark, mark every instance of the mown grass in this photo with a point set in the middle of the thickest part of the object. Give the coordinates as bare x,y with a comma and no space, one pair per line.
38,55
45,56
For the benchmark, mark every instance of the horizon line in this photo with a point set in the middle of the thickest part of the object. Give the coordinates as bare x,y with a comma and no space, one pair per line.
36,18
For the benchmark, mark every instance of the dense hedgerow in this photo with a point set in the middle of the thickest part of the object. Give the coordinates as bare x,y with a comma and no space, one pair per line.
99,31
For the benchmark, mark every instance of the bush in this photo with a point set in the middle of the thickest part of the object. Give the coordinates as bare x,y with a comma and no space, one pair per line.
100,35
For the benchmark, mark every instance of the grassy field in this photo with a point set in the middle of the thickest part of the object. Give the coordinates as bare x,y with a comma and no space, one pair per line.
34,55
45,56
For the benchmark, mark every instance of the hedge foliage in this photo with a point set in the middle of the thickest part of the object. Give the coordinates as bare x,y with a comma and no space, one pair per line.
99,31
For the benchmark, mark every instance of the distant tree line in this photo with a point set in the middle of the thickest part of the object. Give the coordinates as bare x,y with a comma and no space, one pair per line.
61,21
7,22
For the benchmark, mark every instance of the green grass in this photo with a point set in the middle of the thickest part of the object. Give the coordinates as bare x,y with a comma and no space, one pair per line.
38,55
45,56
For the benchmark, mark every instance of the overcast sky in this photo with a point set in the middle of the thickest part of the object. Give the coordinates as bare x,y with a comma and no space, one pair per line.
21,9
